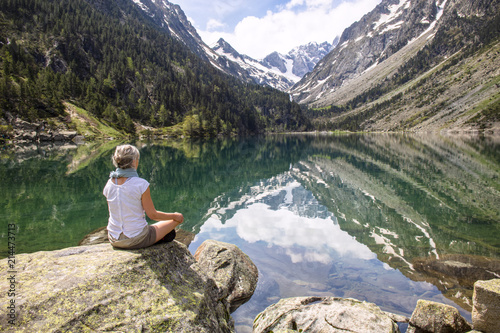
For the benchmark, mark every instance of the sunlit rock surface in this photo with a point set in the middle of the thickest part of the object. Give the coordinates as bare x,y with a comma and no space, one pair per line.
436,318
324,314
97,288
486,310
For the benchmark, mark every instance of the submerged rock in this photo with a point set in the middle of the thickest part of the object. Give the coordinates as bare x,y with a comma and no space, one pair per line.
323,314
98,288
486,309
433,317
454,274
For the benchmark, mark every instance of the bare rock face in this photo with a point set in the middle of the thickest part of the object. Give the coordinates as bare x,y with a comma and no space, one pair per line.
432,317
323,314
486,309
232,270
98,288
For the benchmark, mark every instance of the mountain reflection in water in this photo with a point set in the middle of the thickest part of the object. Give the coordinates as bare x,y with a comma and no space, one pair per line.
389,219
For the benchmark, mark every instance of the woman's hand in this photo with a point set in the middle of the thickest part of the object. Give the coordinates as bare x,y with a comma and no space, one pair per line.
178,218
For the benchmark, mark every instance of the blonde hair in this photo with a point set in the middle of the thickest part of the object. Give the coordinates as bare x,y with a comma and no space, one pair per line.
124,156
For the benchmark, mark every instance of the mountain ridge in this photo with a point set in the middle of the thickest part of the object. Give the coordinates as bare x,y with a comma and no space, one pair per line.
405,66
276,70
402,68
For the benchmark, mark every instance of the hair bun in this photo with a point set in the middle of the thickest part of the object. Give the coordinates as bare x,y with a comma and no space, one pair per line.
124,156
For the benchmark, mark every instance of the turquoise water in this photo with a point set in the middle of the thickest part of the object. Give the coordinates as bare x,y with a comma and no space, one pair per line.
381,218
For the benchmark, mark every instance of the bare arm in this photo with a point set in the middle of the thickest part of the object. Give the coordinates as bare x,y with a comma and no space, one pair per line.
155,215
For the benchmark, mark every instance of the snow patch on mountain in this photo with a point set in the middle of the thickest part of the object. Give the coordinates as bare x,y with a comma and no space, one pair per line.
366,44
277,70
394,13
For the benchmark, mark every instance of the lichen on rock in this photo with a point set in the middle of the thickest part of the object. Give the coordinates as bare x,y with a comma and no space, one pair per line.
435,317
98,288
486,309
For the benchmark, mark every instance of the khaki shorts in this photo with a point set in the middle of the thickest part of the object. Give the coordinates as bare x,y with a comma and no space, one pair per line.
146,238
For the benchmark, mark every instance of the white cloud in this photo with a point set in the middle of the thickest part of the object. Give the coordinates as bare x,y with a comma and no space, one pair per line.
294,3
214,24
296,23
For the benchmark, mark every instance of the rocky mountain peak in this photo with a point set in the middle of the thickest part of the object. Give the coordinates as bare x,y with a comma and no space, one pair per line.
223,48
379,34
276,70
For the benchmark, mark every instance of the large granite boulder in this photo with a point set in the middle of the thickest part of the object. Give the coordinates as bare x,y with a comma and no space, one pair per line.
323,314
486,308
97,288
233,272
433,317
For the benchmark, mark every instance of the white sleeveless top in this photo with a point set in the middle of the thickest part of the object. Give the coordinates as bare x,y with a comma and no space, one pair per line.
125,206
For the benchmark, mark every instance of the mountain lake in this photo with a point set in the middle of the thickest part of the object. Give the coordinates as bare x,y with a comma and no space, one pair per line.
385,218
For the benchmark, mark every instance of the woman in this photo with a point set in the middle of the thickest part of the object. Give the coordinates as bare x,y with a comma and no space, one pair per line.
128,198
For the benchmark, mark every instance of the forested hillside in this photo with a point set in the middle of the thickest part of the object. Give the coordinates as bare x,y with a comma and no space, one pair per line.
108,58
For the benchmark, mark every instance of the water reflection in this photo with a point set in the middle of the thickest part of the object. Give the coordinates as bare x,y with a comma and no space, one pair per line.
300,249
288,217
384,218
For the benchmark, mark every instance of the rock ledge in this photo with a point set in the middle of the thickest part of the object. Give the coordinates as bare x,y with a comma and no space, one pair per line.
97,288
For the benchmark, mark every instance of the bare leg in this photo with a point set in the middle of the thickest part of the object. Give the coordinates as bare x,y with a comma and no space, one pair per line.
164,227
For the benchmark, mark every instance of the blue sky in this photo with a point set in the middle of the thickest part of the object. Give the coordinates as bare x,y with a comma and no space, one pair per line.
257,28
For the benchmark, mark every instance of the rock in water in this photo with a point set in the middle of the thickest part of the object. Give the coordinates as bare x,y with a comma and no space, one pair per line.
232,270
486,309
323,314
97,288
433,317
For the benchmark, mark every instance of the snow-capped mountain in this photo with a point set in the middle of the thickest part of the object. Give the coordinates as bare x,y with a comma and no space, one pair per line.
261,74
369,43
301,60
401,66
258,72
277,70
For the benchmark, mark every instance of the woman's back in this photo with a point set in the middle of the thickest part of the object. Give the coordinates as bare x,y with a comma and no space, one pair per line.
126,213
